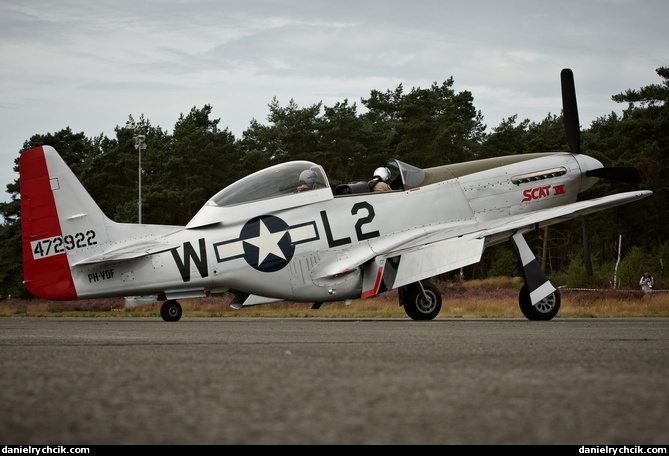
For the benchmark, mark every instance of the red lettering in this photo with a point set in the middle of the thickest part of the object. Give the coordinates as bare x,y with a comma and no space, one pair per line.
527,195
559,190
545,191
540,192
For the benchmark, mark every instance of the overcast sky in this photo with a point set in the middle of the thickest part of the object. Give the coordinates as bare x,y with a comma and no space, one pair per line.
89,65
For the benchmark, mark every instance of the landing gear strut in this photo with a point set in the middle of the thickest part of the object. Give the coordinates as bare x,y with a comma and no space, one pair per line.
536,283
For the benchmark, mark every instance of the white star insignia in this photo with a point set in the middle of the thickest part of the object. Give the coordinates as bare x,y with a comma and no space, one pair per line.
267,243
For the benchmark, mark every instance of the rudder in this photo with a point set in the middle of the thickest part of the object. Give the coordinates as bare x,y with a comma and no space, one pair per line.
45,277
59,220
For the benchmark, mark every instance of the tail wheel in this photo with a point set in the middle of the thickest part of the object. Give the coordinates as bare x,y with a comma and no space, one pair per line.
171,310
545,309
419,306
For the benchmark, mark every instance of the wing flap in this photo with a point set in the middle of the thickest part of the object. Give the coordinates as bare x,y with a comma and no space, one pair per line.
430,260
387,245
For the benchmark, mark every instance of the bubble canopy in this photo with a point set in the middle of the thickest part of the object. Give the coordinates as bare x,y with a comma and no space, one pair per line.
275,181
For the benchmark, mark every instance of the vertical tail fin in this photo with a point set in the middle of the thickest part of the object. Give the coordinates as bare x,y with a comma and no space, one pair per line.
59,219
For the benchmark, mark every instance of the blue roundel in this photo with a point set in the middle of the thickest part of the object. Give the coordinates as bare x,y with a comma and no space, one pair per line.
267,243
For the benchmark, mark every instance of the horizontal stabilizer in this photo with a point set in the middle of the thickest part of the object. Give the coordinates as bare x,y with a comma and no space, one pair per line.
128,252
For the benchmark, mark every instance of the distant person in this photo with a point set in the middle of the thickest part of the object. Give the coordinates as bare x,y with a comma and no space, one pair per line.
379,182
647,282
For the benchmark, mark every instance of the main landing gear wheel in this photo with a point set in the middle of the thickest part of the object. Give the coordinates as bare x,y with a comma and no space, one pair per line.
545,309
170,310
415,303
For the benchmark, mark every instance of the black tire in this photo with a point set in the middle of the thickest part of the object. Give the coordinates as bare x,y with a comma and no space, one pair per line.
545,309
171,310
416,306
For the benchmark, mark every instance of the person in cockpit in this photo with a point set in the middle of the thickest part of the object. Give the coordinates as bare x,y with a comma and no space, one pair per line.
379,182
308,181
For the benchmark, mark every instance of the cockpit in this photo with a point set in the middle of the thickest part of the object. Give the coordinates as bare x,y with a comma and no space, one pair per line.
278,180
283,184
268,189
292,177
402,177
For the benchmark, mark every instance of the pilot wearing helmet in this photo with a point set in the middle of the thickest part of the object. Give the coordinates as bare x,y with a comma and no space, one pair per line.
308,180
379,182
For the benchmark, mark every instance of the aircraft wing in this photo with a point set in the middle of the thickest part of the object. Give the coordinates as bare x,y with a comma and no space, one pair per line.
428,251
552,216
443,255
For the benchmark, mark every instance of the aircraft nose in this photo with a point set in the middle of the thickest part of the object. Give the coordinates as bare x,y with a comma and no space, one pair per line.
587,163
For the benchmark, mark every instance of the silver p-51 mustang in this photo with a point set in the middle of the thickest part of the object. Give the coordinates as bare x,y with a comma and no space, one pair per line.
264,241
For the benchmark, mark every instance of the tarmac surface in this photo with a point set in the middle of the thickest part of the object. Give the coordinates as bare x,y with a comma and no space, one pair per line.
90,381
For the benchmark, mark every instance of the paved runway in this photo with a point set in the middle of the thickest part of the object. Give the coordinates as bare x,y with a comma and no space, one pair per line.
82,381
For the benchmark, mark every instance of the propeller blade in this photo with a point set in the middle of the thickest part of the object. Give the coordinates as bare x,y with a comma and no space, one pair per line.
570,111
618,174
572,128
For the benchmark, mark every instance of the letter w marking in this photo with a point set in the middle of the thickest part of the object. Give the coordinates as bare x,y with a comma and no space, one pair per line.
189,253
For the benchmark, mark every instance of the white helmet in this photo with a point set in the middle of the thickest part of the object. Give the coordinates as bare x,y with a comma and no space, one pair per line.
308,176
383,173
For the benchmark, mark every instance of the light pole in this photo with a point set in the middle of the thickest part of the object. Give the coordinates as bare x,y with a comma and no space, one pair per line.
140,145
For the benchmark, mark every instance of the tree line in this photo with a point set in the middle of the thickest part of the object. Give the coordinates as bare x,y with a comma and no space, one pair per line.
422,126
